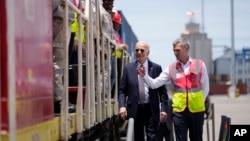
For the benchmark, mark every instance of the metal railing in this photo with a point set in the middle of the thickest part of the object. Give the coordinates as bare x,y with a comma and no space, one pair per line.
210,116
130,131
97,106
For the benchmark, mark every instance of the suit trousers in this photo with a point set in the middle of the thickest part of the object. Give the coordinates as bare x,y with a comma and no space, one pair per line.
184,121
145,123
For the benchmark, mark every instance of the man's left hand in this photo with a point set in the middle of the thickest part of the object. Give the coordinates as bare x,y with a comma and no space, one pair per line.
163,116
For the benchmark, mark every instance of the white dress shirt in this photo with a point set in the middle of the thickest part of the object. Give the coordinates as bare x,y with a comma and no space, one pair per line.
163,78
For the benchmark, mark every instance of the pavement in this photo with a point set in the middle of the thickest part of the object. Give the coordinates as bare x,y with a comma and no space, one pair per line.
236,108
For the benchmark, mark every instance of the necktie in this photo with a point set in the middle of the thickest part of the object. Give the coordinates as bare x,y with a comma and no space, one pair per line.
141,88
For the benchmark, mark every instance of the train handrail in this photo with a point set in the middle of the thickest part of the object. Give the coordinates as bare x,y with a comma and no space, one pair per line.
210,115
64,112
11,71
97,106
130,131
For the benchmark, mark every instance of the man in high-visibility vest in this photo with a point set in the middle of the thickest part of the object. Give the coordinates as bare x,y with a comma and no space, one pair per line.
190,83
118,53
73,45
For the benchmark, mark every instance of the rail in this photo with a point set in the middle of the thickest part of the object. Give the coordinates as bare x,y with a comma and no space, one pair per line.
130,132
210,116
98,104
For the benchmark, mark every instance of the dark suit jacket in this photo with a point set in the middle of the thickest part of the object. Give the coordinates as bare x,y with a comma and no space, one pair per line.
128,93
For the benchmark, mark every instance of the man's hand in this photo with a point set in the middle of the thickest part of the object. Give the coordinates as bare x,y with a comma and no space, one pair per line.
123,113
141,71
124,46
163,116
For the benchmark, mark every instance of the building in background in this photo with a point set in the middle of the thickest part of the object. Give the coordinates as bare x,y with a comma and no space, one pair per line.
222,66
219,70
201,45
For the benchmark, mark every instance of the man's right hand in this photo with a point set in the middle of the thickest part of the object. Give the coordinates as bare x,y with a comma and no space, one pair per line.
123,113
124,46
141,71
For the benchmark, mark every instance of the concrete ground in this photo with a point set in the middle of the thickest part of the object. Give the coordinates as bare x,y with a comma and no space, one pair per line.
238,109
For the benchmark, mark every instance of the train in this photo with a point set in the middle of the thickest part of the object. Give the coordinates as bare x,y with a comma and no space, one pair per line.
27,75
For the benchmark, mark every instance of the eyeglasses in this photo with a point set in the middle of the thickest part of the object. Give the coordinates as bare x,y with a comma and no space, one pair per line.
137,50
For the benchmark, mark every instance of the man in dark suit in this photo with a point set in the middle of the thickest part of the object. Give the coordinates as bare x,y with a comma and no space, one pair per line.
138,101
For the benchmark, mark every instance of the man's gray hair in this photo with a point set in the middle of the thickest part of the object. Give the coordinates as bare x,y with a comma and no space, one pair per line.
145,43
182,41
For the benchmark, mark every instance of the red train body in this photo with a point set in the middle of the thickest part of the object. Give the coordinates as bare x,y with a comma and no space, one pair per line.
33,62
27,75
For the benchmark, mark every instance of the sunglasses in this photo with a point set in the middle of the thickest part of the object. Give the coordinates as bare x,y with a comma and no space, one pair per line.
137,50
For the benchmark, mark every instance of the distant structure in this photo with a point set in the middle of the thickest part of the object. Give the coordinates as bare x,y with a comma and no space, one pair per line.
242,66
222,67
201,45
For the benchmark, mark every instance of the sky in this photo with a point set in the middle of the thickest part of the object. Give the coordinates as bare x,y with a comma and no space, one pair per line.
160,22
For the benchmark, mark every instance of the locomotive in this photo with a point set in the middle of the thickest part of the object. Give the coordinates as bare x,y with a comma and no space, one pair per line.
27,75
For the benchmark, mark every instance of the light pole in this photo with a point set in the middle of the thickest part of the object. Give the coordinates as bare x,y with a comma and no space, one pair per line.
203,43
233,50
202,16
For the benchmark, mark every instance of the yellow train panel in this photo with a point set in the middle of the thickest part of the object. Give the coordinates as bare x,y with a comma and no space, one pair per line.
45,131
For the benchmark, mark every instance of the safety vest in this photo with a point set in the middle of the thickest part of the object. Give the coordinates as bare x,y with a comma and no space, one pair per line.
74,28
187,88
119,52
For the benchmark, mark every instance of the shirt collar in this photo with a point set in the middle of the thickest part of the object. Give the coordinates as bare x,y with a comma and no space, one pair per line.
189,60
